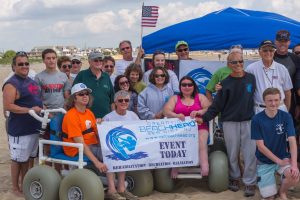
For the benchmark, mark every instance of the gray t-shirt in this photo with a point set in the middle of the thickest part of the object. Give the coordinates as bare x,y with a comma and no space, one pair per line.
53,86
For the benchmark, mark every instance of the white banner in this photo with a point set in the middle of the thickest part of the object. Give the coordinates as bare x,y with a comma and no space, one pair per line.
149,144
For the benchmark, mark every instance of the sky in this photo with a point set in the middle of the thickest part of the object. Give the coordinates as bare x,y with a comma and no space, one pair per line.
25,24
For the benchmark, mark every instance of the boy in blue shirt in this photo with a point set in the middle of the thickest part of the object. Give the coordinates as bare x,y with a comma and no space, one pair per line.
271,129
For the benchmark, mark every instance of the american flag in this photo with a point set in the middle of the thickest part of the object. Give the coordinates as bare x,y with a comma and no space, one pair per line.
149,16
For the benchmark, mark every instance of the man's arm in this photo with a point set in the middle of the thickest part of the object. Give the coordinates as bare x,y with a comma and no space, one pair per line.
264,150
10,94
287,100
293,151
140,56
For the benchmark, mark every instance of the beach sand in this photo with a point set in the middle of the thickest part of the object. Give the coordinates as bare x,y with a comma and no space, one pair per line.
185,189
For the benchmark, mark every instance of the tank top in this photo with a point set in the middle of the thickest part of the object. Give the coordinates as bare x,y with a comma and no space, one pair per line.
180,108
30,96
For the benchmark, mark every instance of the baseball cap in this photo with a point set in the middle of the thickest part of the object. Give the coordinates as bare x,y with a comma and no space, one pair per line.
79,87
267,43
94,55
74,57
179,43
283,35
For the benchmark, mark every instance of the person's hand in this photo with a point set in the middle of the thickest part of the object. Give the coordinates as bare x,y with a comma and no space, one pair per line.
181,117
141,53
36,109
199,120
99,120
218,86
294,171
101,166
284,162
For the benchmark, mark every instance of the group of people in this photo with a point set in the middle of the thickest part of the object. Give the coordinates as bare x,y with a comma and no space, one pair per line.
253,103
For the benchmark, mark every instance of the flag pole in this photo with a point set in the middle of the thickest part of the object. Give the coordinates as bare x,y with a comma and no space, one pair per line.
142,27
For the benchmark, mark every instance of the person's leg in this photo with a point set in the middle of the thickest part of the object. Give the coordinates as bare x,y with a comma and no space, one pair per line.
232,142
287,182
174,172
24,169
121,181
248,148
266,181
15,173
203,155
111,183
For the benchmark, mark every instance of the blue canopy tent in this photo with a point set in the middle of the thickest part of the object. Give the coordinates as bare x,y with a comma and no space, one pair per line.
221,29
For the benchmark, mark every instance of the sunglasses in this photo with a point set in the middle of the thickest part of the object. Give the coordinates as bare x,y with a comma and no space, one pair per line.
124,83
97,60
123,100
21,53
159,75
182,50
67,66
236,46
297,52
187,84
108,66
81,94
268,50
76,62
236,62
23,64
125,48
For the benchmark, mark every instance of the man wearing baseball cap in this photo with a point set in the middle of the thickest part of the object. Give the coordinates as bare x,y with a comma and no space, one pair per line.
291,62
270,74
99,82
182,50
76,66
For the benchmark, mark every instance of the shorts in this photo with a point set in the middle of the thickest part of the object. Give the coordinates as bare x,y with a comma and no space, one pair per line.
23,147
96,150
266,178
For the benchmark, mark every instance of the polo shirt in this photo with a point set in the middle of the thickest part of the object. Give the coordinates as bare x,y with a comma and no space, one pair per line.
276,76
102,91
217,77
122,64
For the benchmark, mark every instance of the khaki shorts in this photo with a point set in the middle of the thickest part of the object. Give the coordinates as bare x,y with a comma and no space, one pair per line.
23,147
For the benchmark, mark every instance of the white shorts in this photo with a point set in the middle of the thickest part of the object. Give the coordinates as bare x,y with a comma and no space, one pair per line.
23,147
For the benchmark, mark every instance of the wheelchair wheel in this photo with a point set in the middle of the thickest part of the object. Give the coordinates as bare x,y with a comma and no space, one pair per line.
163,181
81,184
218,172
140,183
41,182
219,145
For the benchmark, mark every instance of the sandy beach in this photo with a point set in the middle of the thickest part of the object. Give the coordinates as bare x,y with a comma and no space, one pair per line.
185,189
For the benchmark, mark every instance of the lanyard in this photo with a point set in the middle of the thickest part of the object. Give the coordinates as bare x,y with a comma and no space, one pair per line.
270,80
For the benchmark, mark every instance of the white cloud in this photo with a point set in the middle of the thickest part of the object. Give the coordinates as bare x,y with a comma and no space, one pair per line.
64,29
58,3
129,17
101,22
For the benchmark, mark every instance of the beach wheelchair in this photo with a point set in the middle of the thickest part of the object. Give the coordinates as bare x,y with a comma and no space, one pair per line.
218,178
44,182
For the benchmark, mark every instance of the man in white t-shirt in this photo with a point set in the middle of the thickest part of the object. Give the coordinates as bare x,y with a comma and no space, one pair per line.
268,74
126,51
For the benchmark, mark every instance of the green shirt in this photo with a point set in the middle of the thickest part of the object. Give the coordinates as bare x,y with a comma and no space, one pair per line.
217,77
139,86
102,91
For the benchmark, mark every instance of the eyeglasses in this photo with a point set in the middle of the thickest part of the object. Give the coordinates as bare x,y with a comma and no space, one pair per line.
124,83
81,94
181,50
236,62
187,84
159,75
97,60
21,53
75,62
65,66
268,50
23,64
108,66
125,48
297,52
123,100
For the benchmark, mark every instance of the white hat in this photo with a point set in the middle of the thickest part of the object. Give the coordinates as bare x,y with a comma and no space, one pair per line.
79,87
75,57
